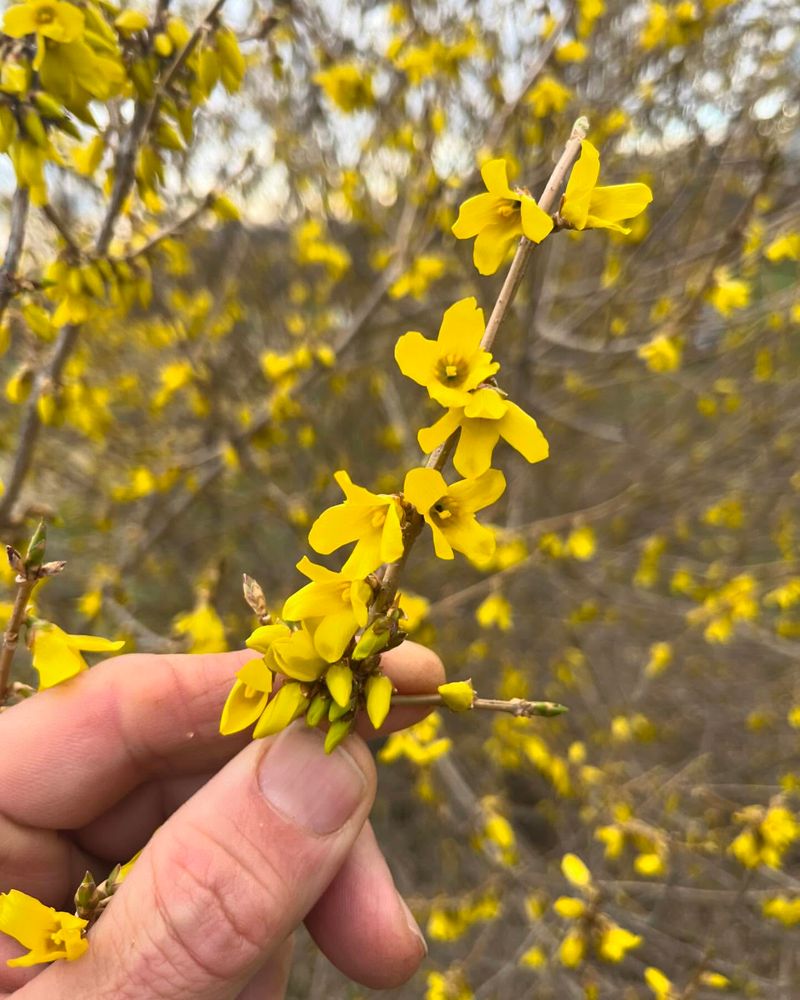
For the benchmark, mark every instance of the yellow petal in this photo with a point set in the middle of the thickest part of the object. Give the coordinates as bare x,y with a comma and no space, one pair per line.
493,243
93,643
461,328
298,657
581,181
264,636
287,705
54,660
523,434
475,214
333,634
336,526
475,494
495,177
256,674
242,707
430,438
619,201
536,223
476,443
416,356
423,487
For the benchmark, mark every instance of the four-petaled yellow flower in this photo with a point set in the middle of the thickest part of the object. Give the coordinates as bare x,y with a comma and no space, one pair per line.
248,697
57,654
586,206
48,934
372,520
450,510
453,364
485,419
334,602
55,19
498,217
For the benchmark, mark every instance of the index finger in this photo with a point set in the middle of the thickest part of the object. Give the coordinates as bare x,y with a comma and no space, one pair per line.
71,752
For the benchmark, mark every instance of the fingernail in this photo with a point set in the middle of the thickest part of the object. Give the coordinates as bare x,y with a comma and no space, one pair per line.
413,925
315,790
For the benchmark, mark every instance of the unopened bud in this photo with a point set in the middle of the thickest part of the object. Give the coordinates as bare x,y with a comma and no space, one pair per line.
317,710
34,557
337,733
15,560
339,679
379,699
254,595
458,696
86,897
373,639
335,712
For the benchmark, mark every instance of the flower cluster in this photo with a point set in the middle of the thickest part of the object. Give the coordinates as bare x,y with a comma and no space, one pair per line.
321,658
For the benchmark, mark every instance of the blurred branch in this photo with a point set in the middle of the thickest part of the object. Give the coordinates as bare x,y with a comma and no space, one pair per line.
16,241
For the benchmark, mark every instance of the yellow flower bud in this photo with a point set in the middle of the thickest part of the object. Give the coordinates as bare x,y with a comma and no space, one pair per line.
458,696
130,21
339,680
287,705
379,699
575,871
337,733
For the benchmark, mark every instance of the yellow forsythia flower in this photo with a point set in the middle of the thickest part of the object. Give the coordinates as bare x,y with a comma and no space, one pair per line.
54,19
494,610
586,206
450,510
248,697
498,217
371,520
485,419
48,934
336,600
661,354
347,86
57,654
615,942
204,628
659,984
454,364
575,871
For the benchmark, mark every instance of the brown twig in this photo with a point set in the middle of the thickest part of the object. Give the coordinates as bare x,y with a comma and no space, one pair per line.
518,707
11,635
16,241
438,458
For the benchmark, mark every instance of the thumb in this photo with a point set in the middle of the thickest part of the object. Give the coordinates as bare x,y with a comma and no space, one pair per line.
224,882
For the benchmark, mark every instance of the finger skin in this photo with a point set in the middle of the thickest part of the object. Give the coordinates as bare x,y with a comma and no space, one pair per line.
135,717
362,926
224,882
272,979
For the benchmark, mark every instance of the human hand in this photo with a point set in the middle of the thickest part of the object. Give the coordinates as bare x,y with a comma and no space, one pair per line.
249,839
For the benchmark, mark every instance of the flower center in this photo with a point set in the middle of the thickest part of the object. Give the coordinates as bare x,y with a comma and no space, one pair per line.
345,594
379,517
441,510
451,369
508,208
45,15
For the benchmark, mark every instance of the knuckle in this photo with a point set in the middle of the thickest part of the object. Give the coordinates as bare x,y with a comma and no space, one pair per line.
212,915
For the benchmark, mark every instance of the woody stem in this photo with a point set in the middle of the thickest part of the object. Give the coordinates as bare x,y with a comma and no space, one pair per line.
438,458
11,634
518,707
